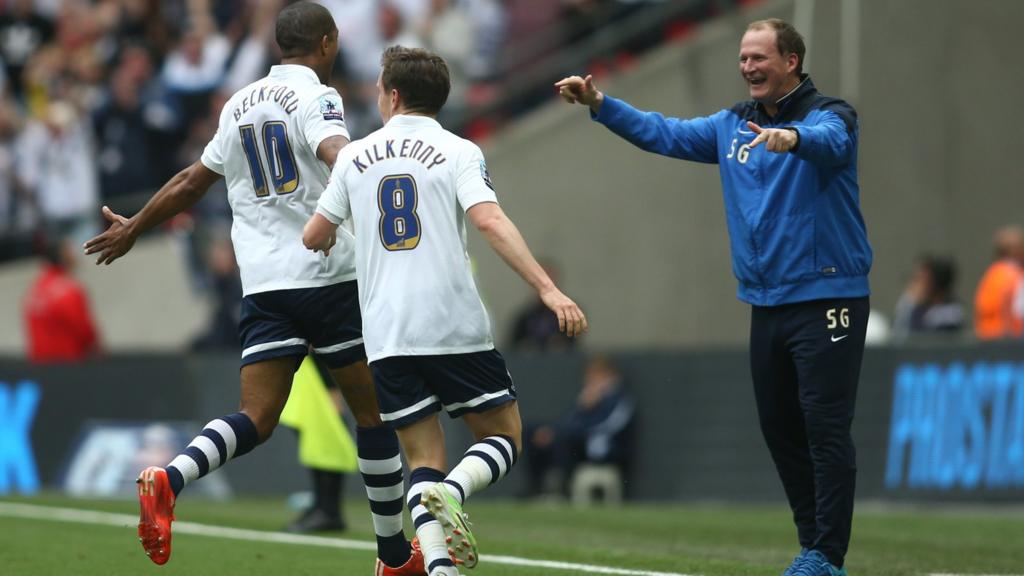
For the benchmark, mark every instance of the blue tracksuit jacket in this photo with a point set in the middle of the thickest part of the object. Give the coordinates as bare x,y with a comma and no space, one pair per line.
795,227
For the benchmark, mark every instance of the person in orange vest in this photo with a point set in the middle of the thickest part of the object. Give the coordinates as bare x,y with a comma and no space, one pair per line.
997,309
58,322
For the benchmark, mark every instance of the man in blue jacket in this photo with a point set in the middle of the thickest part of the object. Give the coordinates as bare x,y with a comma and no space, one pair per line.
788,163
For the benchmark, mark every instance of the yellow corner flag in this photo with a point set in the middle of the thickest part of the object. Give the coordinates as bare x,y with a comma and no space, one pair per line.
324,442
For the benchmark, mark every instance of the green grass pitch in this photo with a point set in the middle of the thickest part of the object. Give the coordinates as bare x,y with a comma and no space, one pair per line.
710,540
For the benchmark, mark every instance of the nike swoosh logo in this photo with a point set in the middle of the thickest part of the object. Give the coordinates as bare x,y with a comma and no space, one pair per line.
838,338
744,131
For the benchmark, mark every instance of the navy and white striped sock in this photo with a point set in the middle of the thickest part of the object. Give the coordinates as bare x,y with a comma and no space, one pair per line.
221,440
486,462
381,467
428,529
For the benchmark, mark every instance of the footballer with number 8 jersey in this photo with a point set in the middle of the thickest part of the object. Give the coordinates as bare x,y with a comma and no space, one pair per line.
408,190
276,141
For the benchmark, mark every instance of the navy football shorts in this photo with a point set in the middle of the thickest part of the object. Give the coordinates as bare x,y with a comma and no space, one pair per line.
410,388
285,323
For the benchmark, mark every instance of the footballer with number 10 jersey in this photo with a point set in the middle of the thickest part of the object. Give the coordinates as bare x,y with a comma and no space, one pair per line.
280,119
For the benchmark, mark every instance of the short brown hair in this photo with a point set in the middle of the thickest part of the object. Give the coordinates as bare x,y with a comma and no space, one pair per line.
787,39
420,76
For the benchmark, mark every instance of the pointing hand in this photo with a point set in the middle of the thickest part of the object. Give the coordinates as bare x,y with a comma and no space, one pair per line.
776,139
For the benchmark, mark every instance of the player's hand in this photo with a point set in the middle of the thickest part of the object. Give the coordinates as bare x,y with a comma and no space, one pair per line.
331,241
115,242
775,139
575,89
571,319
325,245
319,234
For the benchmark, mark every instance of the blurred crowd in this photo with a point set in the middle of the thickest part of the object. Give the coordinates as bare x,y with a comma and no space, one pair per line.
103,100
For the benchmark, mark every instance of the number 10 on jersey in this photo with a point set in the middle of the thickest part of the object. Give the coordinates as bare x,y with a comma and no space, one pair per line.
283,174
399,224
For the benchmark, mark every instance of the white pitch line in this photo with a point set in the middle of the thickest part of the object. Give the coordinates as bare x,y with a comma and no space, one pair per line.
53,513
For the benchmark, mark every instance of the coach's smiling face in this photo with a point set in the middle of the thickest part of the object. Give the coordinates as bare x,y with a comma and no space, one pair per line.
769,75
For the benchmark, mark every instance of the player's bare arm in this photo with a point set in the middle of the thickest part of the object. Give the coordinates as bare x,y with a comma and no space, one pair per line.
180,192
328,150
775,139
506,240
320,234
576,89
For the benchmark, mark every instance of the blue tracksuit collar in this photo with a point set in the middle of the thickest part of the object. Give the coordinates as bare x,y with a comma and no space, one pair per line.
788,103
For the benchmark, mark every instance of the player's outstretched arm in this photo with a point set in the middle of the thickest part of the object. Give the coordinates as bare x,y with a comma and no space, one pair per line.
320,234
180,192
506,240
575,89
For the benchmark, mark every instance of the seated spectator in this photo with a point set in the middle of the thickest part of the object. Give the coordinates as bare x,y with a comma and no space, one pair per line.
997,312
596,430
927,304
59,325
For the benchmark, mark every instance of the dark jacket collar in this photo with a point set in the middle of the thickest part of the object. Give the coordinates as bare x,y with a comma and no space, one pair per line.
787,104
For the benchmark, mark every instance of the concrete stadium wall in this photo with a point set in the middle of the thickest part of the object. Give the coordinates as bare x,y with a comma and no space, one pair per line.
641,239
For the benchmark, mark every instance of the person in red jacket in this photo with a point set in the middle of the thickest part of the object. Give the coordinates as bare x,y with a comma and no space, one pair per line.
58,322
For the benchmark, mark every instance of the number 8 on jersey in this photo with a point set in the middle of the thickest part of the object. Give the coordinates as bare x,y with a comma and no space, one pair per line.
399,224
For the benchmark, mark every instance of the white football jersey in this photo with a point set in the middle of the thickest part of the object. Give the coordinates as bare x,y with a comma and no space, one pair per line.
265,147
406,188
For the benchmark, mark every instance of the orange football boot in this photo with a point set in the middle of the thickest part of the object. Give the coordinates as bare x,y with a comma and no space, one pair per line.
156,512
412,567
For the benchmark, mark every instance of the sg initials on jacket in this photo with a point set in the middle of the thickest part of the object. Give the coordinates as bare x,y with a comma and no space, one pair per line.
741,154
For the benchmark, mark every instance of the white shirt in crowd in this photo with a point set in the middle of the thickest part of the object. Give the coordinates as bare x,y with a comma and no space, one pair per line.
56,160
